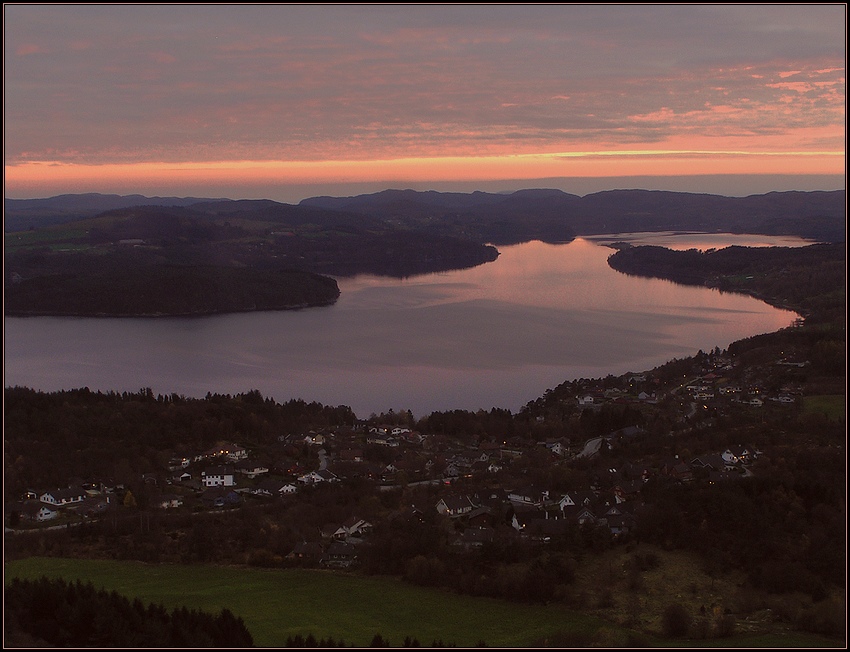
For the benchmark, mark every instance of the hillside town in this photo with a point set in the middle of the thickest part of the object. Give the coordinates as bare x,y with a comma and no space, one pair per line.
486,488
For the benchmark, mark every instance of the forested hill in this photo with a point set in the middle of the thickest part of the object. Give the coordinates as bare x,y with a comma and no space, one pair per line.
818,215
810,280
544,214
212,258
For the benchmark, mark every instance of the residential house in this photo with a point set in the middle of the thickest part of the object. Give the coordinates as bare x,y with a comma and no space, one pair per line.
334,531
455,506
339,554
169,501
357,527
64,497
224,449
538,524
322,475
581,515
306,552
676,468
177,463
529,496
35,510
524,515
381,439
482,516
558,447
234,452
584,498
738,454
251,469
620,519
179,477
272,487
711,462
218,476
315,439
784,399
219,497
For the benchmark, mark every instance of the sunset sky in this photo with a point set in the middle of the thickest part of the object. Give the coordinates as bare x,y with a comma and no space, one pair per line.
291,101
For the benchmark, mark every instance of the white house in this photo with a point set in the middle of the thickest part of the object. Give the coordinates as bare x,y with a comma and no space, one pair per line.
737,455
169,501
62,497
318,476
36,510
251,469
218,476
529,496
455,505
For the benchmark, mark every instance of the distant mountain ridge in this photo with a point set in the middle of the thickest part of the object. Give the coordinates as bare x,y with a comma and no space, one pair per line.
21,214
546,214
812,214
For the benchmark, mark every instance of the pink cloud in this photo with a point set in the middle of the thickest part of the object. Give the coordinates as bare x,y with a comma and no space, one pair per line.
27,49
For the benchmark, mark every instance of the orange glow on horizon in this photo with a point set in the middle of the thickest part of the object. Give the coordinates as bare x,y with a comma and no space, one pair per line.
33,175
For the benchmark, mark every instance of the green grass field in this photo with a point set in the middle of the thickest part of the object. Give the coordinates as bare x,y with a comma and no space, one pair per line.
833,406
277,604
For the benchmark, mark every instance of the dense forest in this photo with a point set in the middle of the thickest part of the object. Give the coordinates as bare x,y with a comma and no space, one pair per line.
176,290
149,261
810,280
77,615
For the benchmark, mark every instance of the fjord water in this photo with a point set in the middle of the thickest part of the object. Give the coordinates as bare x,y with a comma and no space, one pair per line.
497,335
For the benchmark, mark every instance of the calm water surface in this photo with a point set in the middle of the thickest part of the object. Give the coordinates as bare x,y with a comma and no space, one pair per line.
498,335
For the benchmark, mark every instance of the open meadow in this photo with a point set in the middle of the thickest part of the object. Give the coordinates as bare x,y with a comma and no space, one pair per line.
279,604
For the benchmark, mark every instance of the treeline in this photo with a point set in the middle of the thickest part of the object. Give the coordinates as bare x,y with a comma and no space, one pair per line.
77,615
54,437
